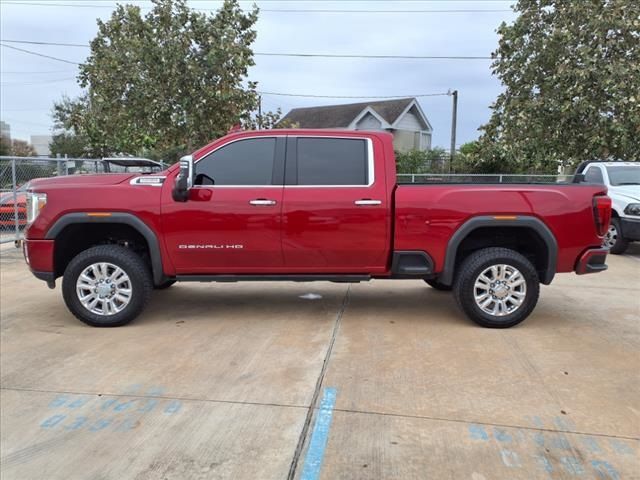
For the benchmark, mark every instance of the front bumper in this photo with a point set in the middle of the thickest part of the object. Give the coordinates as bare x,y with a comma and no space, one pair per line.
592,261
39,256
630,228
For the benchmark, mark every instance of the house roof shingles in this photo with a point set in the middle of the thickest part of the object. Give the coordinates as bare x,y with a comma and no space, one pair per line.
341,116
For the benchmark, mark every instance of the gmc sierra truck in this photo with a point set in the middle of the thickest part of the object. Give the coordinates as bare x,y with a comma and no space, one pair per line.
305,205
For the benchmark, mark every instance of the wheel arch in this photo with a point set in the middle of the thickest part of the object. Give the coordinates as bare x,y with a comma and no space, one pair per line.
530,223
122,218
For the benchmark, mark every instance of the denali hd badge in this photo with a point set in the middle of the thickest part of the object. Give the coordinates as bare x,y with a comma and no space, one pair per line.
210,247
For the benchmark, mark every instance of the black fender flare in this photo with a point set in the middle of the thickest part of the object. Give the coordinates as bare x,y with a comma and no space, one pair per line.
116,217
537,225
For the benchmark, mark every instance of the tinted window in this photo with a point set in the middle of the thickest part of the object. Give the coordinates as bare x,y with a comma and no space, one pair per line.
332,161
594,175
245,162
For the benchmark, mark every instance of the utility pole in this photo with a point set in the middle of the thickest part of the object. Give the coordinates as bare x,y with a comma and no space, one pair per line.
259,112
454,119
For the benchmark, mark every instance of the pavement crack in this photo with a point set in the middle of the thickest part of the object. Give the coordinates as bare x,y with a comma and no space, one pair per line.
487,424
160,397
316,393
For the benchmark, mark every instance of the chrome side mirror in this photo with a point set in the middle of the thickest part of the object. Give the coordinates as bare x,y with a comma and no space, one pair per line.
184,180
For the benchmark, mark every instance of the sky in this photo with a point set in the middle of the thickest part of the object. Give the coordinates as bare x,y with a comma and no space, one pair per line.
30,84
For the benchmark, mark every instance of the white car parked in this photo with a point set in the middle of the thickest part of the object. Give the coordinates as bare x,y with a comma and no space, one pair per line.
623,181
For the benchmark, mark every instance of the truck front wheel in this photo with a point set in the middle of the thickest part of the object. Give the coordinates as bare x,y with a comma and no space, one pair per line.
496,287
106,286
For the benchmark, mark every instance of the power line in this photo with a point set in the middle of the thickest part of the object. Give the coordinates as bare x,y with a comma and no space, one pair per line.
279,1
352,96
402,57
3,72
283,10
25,109
299,55
294,10
56,44
39,82
47,4
28,123
39,54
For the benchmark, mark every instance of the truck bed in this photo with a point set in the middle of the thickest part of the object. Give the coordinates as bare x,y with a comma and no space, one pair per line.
428,215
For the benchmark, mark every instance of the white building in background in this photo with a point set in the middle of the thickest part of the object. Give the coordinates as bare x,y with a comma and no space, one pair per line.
41,144
402,117
5,131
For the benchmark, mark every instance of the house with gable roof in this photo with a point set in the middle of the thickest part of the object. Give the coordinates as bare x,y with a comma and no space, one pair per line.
402,117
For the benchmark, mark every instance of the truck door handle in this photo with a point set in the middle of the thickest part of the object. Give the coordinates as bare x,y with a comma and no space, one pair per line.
262,202
367,201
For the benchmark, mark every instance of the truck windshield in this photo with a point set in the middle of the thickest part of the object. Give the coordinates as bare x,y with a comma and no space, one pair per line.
624,175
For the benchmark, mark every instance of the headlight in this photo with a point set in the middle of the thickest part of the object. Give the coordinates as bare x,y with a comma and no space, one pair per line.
633,209
35,203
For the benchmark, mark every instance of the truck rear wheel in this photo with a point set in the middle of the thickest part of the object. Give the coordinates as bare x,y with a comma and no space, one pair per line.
106,286
496,287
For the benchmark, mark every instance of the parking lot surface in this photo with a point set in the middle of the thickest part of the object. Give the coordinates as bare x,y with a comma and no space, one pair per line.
381,380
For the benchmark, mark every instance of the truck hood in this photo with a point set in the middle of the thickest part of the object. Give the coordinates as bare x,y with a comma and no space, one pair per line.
81,180
627,192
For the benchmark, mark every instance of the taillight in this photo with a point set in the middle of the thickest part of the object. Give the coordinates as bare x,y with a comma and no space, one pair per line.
602,213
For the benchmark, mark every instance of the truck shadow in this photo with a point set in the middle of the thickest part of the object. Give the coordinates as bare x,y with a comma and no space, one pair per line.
283,301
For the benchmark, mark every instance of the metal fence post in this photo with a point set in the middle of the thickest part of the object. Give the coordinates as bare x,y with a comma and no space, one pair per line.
14,187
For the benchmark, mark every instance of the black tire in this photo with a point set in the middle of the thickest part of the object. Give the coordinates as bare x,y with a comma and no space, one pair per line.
469,271
614,240
164,285
131,263
438,286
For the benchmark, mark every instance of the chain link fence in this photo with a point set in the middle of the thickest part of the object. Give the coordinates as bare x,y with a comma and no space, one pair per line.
480,178
16,172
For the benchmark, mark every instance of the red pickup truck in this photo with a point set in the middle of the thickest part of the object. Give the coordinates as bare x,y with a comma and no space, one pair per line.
304,205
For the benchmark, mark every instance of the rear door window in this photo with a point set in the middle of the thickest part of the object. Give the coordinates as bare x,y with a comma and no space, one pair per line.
332,161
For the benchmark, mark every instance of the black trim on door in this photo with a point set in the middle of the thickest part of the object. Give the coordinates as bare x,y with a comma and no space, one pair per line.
291,163
279,161
411,264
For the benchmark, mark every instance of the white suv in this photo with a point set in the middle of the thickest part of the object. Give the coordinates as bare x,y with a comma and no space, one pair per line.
623,182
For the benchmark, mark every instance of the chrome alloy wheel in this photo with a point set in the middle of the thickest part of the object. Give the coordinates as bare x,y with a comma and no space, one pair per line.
611,237
500,290
104,288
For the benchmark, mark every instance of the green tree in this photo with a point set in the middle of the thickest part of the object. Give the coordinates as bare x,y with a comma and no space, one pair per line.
70,144
265,121
5,146
20,148
479,157
268,120
571,72
421,161
166,82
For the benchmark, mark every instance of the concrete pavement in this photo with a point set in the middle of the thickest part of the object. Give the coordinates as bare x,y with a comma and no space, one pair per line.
225,381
